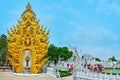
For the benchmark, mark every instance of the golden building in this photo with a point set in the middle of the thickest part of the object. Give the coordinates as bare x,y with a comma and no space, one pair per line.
27,44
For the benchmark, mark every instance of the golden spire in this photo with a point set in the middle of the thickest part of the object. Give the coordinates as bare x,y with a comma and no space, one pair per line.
28,7
28,12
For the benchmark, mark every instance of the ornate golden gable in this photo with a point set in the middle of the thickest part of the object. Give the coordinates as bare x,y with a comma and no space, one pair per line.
28,37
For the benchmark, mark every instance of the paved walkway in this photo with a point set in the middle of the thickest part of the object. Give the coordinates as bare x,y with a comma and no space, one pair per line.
9,76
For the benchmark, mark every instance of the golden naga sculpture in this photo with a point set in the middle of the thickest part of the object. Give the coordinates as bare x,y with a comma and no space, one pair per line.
28,44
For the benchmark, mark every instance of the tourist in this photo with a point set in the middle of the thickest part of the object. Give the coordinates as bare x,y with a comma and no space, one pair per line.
72,67
68,67
92,68
95,68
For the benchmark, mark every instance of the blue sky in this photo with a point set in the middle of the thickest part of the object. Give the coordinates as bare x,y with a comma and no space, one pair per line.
92,26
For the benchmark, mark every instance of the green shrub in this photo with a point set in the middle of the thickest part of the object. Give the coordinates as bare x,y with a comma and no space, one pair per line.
65,73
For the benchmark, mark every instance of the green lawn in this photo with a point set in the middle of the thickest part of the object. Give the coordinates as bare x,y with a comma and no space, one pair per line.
65,73
111,71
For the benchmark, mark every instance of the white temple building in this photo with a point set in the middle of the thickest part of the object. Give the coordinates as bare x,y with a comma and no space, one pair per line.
75,56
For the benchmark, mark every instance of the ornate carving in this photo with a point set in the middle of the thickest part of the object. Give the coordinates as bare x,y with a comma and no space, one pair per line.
28,35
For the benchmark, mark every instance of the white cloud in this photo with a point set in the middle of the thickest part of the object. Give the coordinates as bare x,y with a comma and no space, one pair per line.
108,7
14,12
63,7
95,33
114,7
98,40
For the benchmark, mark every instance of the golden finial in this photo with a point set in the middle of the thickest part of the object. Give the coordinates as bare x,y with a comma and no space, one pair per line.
11,29
8,31
18,21
14,29
42,27
28,12
48,31
28,6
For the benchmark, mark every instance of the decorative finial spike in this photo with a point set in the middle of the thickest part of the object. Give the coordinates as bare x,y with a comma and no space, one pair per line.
48,31
28,6
7,31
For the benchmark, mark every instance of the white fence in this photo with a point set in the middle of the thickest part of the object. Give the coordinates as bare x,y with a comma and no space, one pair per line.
105,63
51,71
88,75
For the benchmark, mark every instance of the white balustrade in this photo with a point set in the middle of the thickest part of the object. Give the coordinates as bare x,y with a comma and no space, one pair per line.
84,75
81,73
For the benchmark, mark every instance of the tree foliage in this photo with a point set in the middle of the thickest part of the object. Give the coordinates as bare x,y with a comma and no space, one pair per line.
97,59
112,59
54,53
3,48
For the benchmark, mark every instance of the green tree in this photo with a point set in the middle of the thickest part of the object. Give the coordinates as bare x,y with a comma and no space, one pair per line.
3,49
64,53
97,59
54,53
112,59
